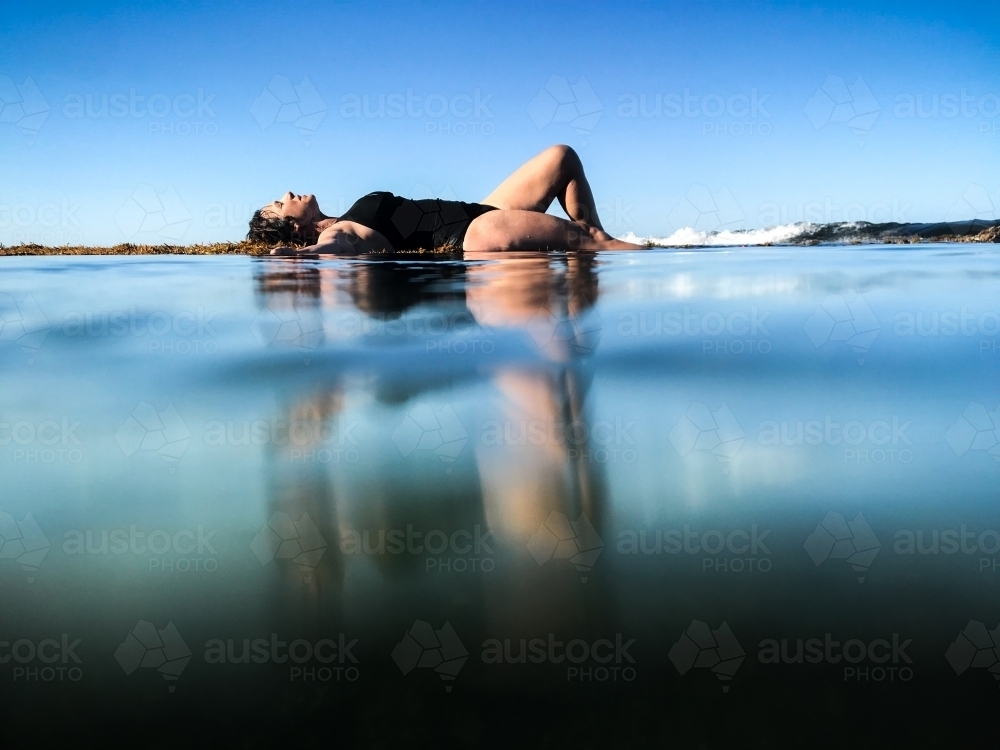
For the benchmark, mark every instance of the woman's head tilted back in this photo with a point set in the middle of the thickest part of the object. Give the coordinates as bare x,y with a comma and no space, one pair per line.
290,219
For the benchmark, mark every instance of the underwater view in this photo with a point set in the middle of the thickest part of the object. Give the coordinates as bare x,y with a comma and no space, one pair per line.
354,500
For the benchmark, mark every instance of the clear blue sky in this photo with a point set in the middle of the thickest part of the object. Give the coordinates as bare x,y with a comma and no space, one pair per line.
159,167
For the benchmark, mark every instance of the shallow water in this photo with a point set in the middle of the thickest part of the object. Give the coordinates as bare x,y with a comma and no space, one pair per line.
672,461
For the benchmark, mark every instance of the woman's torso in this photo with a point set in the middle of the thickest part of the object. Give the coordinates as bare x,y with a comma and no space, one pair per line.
415,224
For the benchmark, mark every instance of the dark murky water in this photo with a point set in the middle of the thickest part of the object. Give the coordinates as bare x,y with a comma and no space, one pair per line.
694,497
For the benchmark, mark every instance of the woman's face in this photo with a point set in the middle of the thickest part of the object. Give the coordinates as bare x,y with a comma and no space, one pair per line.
302,209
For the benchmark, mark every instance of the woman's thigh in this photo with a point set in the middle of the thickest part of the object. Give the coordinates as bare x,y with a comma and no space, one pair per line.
525,230
534,185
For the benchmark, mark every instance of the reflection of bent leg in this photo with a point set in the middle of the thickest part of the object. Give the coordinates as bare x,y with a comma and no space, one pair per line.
522,482
529,230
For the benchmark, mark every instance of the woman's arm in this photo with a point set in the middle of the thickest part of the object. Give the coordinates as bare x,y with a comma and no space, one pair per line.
342,238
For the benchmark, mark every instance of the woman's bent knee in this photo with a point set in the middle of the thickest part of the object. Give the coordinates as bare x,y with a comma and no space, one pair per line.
563,155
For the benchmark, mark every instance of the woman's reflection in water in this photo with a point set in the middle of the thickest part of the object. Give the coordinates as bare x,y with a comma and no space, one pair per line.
530,455
536,459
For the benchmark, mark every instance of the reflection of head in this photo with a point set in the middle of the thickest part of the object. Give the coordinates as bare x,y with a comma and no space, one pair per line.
382,287
298,280
385,287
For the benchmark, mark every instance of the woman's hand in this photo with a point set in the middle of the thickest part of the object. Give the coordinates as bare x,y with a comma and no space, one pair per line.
343,238
349,238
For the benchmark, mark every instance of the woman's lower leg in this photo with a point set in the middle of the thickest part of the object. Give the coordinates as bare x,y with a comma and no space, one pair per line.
575,196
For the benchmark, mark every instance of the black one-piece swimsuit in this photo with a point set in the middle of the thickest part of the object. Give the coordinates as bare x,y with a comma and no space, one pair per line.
424,224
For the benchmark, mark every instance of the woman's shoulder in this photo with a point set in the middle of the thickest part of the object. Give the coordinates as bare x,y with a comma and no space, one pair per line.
364,205
373,199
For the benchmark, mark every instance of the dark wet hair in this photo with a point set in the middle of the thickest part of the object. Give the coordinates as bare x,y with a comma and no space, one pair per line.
272,230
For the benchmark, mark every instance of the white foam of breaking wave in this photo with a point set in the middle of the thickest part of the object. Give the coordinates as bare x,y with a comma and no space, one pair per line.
688,237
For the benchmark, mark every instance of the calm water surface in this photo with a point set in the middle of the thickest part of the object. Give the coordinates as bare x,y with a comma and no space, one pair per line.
708,495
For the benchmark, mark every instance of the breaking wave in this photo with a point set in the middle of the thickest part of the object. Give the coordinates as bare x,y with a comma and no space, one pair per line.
834,233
